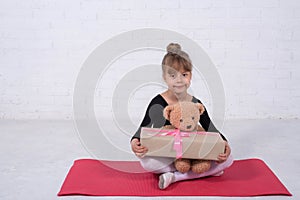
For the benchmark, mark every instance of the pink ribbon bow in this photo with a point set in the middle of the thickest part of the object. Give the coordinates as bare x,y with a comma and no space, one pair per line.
177,146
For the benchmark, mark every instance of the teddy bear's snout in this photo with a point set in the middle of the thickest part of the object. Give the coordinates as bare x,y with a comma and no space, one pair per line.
189,126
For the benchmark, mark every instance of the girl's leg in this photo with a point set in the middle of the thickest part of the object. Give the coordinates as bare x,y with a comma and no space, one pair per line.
157,164
167,178
215,169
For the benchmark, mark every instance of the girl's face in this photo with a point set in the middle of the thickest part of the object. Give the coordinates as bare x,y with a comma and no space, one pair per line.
177,81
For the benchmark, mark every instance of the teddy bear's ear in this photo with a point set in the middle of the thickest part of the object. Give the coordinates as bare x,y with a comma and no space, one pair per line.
167,111
200,107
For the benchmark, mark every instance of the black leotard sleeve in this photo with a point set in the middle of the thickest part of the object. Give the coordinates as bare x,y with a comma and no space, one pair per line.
154,115
206,122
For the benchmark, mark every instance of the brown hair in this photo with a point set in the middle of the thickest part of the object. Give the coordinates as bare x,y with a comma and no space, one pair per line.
176,58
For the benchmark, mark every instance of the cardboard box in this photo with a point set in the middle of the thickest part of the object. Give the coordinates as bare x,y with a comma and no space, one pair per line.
195,145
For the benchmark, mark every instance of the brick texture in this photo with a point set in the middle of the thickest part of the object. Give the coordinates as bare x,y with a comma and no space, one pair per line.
43,44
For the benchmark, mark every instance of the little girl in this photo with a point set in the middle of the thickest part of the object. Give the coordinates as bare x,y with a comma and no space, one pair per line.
177,73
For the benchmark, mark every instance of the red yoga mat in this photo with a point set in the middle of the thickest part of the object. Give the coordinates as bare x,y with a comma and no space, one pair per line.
251,177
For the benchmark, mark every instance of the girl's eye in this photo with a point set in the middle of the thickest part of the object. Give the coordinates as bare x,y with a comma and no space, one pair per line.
185,75
181,120
172,75
193,118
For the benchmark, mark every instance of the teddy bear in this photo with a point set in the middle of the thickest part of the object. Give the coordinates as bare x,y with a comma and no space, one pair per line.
185,117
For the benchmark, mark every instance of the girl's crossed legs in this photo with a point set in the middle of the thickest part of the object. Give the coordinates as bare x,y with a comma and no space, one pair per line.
165,167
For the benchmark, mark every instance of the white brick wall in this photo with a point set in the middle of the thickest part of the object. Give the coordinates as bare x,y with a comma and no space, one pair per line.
254,43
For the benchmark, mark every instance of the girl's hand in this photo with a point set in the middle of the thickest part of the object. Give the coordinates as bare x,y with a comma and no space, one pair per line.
223,156
137,148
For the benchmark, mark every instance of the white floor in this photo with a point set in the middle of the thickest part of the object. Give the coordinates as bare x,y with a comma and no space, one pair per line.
36,155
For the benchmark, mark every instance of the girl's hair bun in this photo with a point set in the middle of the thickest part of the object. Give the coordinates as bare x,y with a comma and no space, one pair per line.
173,48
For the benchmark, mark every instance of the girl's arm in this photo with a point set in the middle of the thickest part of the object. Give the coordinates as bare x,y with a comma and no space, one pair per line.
208,125
153,117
